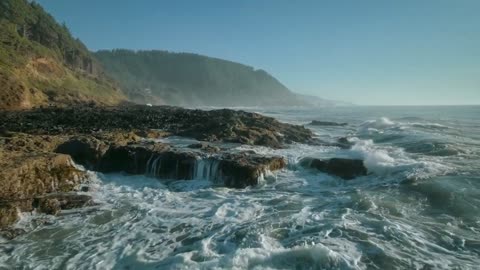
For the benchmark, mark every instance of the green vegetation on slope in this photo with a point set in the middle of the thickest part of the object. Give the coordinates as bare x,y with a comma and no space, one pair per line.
190,79
41,63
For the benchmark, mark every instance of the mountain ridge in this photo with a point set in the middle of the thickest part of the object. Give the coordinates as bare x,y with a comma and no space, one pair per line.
191,79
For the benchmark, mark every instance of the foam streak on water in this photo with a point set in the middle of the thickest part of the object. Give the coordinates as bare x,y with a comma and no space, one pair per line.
418,208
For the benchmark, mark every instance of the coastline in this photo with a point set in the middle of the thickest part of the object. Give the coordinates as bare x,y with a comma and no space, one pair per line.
40,150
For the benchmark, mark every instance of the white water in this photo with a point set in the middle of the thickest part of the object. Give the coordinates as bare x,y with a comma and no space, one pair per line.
417,208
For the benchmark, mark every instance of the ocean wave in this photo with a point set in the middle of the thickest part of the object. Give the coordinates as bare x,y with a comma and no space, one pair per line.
384,124
376,125
391,160
428,125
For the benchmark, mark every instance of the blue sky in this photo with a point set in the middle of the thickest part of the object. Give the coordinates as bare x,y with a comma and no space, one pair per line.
376,52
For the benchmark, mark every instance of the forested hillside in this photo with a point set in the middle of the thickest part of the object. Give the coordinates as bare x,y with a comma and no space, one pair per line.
191,79
41,63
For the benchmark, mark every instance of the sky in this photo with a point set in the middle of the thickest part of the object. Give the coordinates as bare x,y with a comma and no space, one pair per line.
369,52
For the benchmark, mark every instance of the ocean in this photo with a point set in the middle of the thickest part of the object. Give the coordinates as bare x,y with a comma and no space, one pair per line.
418,207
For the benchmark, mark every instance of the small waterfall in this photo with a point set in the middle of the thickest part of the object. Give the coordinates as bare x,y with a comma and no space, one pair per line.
161,166
267,176
177,167
153,166
148,169
207,169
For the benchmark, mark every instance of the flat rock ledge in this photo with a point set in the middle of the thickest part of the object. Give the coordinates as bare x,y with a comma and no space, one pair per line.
235,170
214,126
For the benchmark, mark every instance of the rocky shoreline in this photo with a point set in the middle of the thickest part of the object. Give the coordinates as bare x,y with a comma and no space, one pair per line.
39,150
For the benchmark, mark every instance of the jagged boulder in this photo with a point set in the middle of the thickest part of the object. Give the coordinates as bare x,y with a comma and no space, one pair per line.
341,167
242,170
53,203
8,214
25,176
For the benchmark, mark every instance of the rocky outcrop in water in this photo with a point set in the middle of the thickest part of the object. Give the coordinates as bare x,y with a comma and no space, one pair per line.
161,161
37,150
341,167
52,204
245,169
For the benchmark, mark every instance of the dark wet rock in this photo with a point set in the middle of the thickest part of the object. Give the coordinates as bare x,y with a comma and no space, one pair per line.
11,233
85,150
132,159
326,123
242,170
343,140
341,167
8,214
161,161
215,125
52,204
205,147
344,143
47,206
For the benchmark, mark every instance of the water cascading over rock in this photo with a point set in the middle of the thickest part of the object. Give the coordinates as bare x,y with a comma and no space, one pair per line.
160,161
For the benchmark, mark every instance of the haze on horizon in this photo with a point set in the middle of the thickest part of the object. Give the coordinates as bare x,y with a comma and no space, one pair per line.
369,52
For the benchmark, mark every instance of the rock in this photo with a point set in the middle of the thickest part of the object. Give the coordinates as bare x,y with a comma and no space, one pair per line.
152,133
344,143
11,233
205,147
132,159
26,143
85,150
341,167
25,176
344,140
47,206
158,160
242,170
326,123
52,203
8,214
214,125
